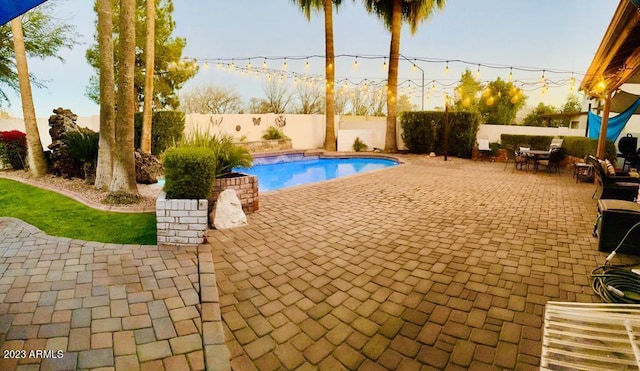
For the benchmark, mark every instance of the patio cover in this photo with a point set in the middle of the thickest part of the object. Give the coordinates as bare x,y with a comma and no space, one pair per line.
616,63
9,9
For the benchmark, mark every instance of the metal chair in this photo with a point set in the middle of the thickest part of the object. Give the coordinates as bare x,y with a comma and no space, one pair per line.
553,161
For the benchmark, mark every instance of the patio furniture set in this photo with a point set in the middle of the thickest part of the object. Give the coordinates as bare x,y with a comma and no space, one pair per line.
523,157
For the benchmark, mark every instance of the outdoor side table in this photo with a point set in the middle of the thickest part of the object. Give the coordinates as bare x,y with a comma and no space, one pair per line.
582,171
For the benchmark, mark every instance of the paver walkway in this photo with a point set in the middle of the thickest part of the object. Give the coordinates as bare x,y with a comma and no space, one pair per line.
96,305
430,265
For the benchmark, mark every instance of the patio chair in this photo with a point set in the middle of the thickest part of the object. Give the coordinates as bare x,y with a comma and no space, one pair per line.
483,148
513,156
556,143
553,161
616,185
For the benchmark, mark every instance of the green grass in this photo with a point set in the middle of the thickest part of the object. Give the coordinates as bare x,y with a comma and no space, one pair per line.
61,216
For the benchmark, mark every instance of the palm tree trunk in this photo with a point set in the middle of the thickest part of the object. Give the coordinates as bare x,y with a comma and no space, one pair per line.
124,171
390,143
37,161
145,141
104,169
330,136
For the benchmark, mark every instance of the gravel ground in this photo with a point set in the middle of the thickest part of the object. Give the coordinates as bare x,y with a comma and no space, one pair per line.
148,193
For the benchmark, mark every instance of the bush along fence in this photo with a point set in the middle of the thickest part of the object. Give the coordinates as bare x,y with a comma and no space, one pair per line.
424,131
166,130
181,213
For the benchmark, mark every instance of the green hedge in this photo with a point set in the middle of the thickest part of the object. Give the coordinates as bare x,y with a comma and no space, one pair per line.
574,146
423,132
167,128
189,172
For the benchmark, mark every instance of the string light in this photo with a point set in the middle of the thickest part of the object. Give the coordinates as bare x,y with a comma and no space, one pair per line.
478,72
264,64
355,64
206,65
510,77
249,66
306,65
446,70
384,64
284,65
543,80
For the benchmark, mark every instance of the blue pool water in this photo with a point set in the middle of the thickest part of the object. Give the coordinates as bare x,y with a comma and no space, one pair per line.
288,171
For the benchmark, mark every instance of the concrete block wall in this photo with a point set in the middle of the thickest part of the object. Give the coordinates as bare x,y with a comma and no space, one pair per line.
181,222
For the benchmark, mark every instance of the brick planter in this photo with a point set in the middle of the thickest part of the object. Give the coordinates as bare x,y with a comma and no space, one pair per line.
246,187
181,222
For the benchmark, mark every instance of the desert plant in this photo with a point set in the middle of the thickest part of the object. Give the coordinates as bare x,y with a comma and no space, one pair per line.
228,154
189,172
13,148
359,145
82,148
273,133
167,128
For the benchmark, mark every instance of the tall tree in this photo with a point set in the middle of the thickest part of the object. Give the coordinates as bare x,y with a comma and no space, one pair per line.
171,71
44,37
211,99
104,168
534,119
149,50
393,13
37,161
278,95
467,92
501,102
123,183
327,7
309,98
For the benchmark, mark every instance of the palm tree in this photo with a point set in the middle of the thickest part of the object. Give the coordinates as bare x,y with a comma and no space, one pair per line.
104,169
145,141
124,171
327,6
393,12
37,161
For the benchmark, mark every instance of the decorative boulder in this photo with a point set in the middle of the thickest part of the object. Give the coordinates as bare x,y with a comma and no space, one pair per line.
228,212
148,168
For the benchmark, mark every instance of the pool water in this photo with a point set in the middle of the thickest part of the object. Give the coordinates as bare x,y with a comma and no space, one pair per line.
288,172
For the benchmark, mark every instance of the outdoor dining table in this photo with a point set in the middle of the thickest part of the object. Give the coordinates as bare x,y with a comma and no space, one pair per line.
535,155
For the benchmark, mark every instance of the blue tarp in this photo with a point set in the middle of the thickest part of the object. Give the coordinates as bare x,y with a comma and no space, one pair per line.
9,9
616,124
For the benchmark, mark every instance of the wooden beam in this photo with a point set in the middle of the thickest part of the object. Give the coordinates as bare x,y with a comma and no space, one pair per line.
602,139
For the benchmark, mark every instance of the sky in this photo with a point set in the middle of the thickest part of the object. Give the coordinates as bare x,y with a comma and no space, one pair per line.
544,36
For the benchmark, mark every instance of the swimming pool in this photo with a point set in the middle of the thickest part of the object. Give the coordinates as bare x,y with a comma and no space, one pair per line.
278,172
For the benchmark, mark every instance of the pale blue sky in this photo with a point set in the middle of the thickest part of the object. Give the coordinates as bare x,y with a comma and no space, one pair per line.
543,34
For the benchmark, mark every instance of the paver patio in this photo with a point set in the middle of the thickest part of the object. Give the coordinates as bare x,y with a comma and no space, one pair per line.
429,265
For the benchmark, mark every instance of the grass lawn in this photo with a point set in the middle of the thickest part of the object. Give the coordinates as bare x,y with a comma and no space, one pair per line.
61,216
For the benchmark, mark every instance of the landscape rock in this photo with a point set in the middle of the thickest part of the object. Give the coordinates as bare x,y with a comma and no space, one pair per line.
63,121
148,168
228,211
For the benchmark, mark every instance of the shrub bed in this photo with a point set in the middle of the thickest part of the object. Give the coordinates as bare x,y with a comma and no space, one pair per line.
573,146
13,148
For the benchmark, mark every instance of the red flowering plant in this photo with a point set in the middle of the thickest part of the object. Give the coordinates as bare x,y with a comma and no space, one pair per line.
13,148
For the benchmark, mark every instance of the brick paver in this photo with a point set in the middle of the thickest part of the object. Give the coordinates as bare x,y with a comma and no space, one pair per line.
100,305
431,264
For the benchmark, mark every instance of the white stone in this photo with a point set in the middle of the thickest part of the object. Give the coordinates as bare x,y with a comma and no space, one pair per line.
228,212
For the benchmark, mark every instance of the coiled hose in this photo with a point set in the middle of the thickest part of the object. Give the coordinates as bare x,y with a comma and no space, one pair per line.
617,283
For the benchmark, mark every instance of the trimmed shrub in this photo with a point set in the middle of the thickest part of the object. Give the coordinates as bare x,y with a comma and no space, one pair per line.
536,141
359,145
580,147
228,154
167,128
423,132
13,148
189,172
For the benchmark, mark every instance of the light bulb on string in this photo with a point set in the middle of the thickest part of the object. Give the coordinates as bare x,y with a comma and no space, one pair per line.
355,64
384,64
414,67
478,72
510,77
218,65
284,64
543,80
433,85
249,66
446,70
264,64
306,65
206,66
